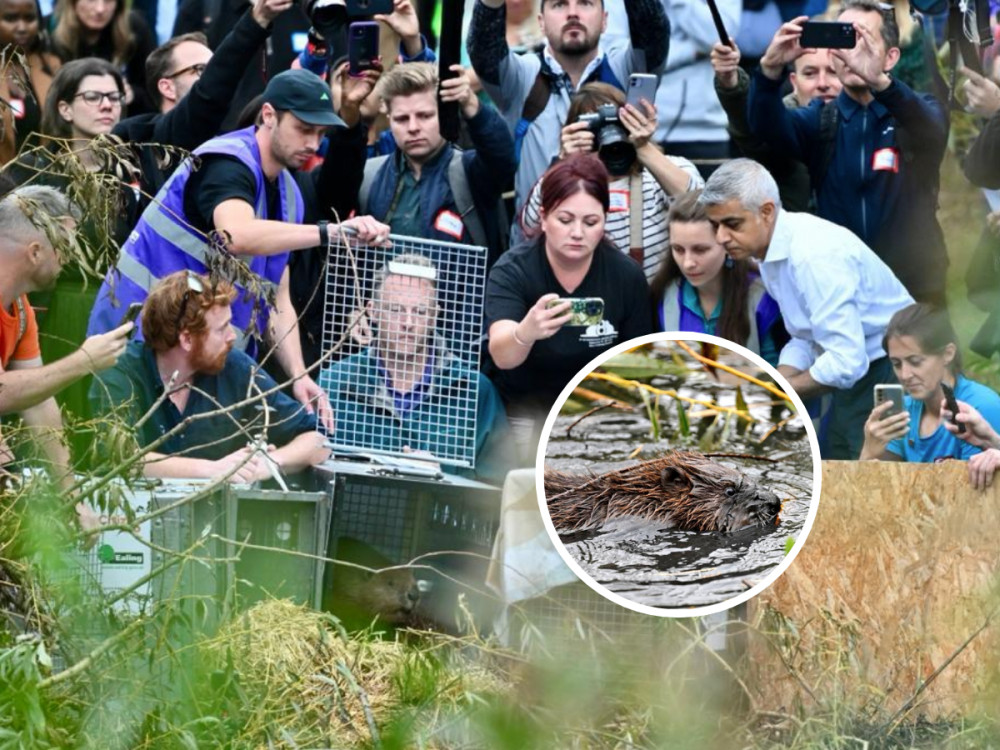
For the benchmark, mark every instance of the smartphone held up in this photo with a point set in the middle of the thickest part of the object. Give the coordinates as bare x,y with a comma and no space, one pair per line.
828,35
362,47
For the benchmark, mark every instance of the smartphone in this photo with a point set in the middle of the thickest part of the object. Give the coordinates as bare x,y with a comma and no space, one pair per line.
362,46
641,86
587,311
827,34
952,404
894,392
131,313
357,8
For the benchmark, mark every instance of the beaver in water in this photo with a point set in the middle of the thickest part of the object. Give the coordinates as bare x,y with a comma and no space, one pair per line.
685,489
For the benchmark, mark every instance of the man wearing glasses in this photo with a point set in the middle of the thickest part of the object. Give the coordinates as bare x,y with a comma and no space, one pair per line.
240,213
217,413
192,88
407,392
874,153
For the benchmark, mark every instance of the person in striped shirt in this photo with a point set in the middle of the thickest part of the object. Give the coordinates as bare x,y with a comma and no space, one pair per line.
661,178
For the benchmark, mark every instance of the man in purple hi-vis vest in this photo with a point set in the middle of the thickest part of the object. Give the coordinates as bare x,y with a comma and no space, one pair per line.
242,190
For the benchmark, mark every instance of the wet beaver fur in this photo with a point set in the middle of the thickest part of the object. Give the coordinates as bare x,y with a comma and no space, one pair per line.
685,489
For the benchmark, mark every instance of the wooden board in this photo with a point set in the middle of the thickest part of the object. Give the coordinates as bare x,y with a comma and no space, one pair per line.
894,577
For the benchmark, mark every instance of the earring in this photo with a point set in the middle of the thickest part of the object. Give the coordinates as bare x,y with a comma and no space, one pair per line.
729,261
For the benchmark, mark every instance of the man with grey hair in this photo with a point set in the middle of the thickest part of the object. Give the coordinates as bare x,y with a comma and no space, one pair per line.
836,296
32,219
408,392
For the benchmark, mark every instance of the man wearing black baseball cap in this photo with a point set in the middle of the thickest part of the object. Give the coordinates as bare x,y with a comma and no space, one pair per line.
303,94
242,193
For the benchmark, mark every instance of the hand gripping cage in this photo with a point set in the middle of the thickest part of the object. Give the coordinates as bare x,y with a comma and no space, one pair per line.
402,332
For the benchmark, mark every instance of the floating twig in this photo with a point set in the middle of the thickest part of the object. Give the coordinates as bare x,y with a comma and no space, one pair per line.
590,413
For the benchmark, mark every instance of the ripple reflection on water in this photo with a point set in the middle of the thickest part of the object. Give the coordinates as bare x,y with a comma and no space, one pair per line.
661,567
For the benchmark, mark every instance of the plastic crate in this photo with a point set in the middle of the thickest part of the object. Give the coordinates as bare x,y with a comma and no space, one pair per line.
403,516
444,524
185,544
295,526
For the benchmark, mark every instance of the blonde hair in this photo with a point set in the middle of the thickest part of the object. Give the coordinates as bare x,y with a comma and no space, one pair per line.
66,35
405,80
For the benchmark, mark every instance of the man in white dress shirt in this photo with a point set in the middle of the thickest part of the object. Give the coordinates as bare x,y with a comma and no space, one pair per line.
836,296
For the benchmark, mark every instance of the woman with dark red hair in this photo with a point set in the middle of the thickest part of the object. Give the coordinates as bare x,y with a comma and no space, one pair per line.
556,302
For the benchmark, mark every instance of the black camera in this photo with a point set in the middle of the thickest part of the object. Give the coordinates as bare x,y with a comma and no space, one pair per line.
326,16
611,139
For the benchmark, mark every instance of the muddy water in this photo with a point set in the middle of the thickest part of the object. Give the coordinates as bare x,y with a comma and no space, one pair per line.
661,567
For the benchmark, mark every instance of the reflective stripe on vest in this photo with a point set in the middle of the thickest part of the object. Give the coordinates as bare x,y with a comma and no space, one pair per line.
164,242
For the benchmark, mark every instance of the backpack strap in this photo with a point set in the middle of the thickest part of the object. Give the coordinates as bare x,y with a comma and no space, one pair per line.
534,104
635,218
372,166
458,181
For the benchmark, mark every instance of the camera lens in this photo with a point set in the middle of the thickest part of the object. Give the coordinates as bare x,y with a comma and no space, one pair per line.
592,308
618,155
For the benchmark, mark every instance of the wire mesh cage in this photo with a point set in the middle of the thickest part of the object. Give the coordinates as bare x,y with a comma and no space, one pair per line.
403,327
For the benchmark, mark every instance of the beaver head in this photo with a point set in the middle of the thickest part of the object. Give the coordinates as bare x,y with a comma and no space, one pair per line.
391,594
720,498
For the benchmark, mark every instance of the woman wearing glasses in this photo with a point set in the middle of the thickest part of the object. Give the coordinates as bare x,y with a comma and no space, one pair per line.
84,102
108,30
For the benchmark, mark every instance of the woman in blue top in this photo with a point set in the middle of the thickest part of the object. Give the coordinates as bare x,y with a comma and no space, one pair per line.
923,349
699,288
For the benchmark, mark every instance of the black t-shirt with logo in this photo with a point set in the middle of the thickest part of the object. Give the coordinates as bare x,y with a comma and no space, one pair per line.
520,277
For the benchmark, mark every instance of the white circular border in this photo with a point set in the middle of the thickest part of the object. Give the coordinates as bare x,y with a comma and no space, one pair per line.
543,442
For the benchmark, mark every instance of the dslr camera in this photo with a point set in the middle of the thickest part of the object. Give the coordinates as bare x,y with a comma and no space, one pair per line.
327,17
611,139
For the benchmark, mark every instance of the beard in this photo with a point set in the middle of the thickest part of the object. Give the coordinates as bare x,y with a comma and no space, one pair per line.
205,362
576,46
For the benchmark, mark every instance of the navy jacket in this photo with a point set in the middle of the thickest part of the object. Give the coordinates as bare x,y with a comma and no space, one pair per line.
197,117
885,194
133,386
489,168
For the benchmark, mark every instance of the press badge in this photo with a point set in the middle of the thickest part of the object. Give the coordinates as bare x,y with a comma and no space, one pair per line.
450,223
885,160
619,201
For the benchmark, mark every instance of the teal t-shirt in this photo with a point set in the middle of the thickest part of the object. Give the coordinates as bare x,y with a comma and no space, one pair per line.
942,444
769,349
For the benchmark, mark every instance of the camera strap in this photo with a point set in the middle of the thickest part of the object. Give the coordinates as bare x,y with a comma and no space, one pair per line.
635,216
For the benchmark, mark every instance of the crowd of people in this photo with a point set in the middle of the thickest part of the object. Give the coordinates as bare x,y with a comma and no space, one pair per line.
786,202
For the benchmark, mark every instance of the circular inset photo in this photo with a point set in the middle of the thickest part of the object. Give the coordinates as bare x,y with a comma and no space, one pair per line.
678,474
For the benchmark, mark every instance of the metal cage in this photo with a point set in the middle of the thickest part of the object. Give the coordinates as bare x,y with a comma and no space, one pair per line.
402,332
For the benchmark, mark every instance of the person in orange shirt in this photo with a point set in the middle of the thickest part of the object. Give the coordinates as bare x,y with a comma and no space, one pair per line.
31,262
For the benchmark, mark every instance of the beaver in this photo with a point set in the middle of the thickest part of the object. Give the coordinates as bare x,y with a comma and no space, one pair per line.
685,489
357,596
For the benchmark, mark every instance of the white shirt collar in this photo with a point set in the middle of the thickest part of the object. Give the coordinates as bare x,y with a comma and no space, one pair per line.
780,245
558,71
